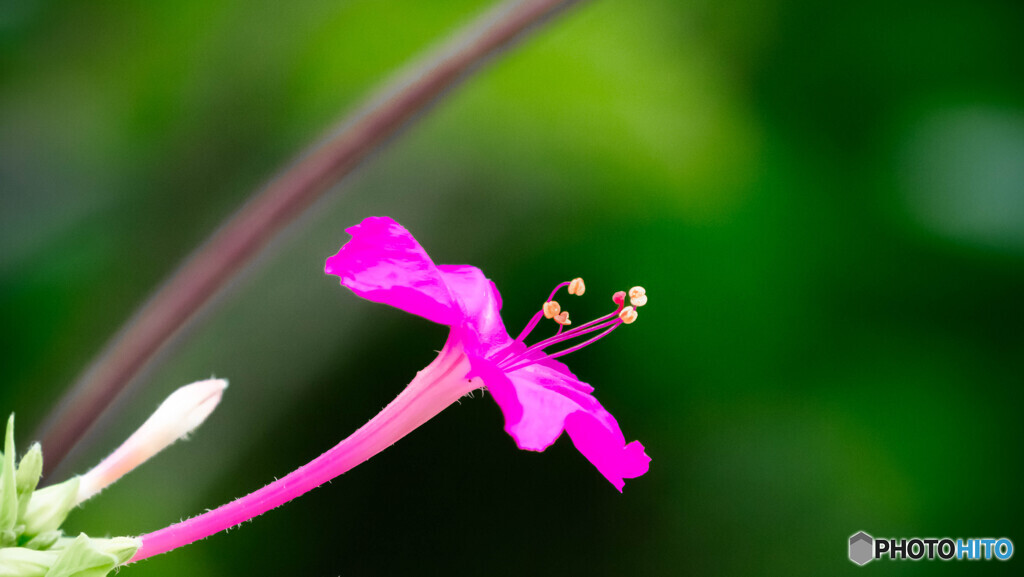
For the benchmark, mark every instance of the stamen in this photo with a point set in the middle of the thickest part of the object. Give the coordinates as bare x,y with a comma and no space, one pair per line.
529,326
554,291
525,360
583,344
545,310
551,309
628,315
638,296
533,351
576,287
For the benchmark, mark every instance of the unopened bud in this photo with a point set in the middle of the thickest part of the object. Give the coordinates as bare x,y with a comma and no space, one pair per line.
30,468
8,487
619,298
177,416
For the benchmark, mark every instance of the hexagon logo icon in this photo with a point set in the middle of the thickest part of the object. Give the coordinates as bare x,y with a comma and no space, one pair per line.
861,548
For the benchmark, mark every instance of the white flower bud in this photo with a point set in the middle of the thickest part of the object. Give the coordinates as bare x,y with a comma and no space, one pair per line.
177,416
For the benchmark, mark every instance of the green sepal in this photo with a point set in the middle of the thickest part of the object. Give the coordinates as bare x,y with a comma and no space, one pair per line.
8,484
43,541
50,506
83,558
30,469
8,538
122,548
22,562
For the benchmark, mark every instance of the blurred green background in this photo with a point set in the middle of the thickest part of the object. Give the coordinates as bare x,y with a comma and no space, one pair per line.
825,203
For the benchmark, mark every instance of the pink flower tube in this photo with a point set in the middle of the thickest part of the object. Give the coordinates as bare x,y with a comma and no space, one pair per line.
538,396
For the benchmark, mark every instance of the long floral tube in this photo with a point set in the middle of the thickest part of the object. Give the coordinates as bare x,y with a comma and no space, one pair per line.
436,387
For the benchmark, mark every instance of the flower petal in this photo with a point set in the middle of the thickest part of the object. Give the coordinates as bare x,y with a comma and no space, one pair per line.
606,448
534,413
384,263
542,400
548,397
481,307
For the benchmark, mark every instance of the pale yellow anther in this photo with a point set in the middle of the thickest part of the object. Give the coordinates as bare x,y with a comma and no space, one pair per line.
551,309
576,287
628,315
562,318
637,292
638,301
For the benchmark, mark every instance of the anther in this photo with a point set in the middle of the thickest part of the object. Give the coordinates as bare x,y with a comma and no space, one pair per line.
576,287
619,298
562,318
637,296
551,308
628,315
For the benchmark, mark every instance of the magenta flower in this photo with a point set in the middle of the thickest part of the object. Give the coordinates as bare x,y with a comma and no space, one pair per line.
538,396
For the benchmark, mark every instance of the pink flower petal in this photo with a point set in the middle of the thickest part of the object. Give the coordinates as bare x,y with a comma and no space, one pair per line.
481,306
536,400
384,263
606,448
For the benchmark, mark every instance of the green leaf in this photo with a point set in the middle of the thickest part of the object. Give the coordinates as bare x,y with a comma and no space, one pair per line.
30,468
82,559
8,486
50,506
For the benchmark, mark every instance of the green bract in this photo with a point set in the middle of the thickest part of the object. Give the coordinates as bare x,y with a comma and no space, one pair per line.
31,542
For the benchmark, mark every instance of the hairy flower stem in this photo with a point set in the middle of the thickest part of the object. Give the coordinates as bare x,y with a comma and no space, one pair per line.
436,387
237,241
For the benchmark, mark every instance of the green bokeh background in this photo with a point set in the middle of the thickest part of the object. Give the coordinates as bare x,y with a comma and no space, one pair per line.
824,201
